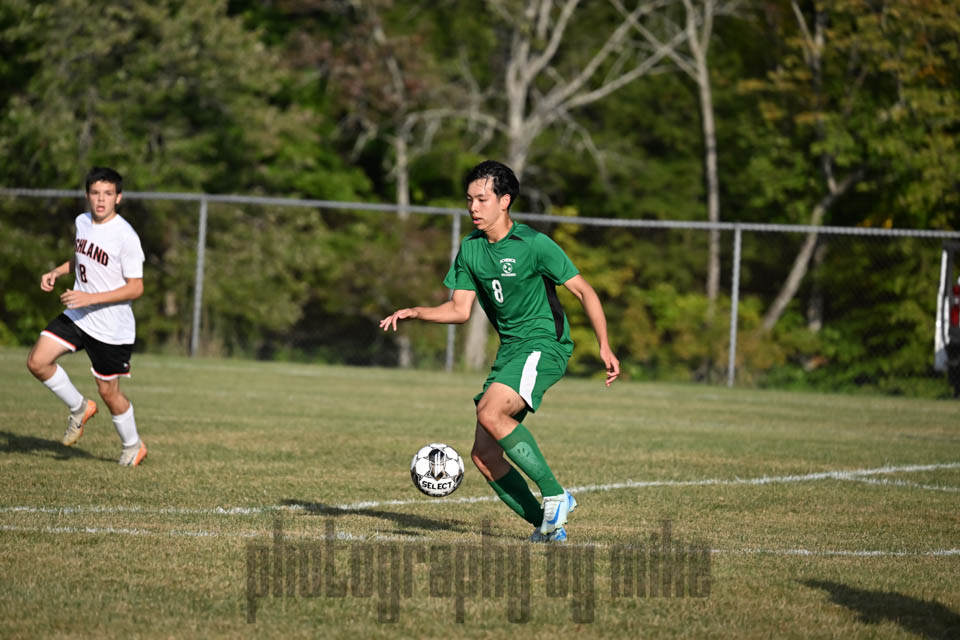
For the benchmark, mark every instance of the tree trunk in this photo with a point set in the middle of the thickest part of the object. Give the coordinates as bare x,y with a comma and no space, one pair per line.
536,35
813,53
699,44
403,174
404,346
801,262
713,190
475,348
815,304
797,272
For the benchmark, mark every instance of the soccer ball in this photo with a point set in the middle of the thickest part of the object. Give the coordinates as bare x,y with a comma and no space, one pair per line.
437,470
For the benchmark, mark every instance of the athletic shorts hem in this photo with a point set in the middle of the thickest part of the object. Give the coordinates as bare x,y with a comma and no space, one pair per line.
108,361
58,339
108,377
529,374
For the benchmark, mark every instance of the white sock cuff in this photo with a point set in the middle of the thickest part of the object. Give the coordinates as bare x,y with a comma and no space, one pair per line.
63,388
123,416
58,375
126,427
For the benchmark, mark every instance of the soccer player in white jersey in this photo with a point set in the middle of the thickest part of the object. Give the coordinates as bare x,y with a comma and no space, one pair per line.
108,275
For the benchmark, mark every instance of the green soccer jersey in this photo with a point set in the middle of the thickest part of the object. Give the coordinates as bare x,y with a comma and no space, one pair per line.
515,280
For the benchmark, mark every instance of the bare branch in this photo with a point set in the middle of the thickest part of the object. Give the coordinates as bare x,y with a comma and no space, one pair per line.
560,94
686,65
556,37
588,143
393,67
543,18
647,67
810,49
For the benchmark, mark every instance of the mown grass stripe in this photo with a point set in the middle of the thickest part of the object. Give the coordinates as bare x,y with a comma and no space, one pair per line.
850,474
344,535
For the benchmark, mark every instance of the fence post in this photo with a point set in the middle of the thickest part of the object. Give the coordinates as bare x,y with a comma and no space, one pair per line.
734,305
452,328
198,282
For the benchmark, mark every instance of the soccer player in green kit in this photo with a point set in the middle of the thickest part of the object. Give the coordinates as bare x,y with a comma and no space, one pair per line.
514,270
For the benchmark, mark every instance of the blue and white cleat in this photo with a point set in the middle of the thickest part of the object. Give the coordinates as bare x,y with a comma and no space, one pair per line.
557,535
555,511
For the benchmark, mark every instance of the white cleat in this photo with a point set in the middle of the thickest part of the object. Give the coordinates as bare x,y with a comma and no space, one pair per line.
555,511
557,535
76,421
133,455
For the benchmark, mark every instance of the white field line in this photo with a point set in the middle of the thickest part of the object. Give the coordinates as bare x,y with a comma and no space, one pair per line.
850,474
903,483
343,535
176,533
832,553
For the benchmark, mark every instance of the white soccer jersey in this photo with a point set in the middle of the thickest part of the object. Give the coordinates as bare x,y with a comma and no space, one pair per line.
106,255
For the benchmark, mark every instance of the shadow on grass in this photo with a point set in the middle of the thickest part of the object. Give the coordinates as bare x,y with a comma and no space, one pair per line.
16,443
406,523
926,618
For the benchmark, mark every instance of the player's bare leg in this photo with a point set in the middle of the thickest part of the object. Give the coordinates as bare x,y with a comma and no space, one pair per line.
42,363
487,456
42,360
115,399
496,409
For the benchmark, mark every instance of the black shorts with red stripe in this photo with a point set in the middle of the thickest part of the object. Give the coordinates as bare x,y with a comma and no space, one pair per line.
109,360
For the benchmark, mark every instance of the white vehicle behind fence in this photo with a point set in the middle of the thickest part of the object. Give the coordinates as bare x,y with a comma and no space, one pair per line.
946,344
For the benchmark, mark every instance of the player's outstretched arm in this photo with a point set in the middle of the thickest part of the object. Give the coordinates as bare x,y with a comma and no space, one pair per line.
579,287
453,311
50,277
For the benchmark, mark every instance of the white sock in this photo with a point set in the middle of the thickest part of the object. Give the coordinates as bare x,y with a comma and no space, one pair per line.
61,386
126,427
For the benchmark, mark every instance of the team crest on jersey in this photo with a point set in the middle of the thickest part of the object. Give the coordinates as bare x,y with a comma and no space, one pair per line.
507,265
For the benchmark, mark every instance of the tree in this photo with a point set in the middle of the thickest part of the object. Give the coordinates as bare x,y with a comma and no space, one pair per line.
699,27
394,91
379,81
863,99
548,71
177,96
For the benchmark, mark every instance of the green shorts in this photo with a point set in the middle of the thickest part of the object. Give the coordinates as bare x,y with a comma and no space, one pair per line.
529,372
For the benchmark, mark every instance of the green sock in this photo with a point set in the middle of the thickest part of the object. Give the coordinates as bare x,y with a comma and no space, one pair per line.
522,449
513,490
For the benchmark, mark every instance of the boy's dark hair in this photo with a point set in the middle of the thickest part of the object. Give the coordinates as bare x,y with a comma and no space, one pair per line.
504,180
104,174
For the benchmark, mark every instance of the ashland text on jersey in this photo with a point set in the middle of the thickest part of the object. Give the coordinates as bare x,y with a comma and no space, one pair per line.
92,251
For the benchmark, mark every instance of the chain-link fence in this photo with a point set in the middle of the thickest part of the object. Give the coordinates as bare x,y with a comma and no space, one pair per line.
797,306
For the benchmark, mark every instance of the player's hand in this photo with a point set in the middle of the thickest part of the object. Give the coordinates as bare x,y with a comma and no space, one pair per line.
400,314
611,364
47,280
74,299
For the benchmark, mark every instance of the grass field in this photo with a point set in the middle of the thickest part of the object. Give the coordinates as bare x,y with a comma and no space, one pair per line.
825,516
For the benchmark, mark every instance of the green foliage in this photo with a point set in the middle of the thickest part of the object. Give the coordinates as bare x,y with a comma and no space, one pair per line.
29,251
177,96
879,94
376,265
240,451
299,99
